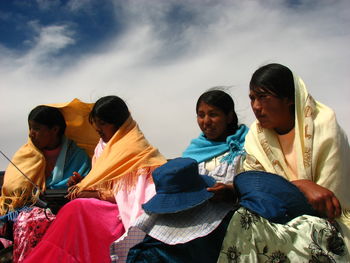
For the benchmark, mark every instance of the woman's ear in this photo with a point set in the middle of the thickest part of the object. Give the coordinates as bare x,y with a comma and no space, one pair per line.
229,117
289,102
55,129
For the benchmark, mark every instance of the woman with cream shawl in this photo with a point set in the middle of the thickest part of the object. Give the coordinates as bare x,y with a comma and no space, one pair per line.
109,198
298,138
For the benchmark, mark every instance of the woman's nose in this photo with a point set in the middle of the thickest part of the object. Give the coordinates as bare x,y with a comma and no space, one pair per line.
31,133
256,106
207,120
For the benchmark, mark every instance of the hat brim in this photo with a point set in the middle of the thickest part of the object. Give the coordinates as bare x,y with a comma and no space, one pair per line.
176,202
185,226
271,196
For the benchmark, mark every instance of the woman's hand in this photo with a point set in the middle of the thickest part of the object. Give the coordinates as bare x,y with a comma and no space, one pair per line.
97,194
88,194
321,199
223,192
74,179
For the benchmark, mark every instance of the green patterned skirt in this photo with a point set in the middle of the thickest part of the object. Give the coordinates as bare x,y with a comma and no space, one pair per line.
251,238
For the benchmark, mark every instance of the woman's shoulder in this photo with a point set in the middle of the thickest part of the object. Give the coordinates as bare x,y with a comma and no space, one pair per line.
325,120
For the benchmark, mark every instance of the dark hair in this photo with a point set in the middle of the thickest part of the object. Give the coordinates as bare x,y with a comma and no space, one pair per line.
221,100
275,79
48,116
110,109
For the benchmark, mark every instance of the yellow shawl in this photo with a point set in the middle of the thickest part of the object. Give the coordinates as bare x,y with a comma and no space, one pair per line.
322,148
125,153
76,115
17,190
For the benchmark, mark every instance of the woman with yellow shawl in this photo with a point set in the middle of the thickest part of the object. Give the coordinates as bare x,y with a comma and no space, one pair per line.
119,182
299,139
47,160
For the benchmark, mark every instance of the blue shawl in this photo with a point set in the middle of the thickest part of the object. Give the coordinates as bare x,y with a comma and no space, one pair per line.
71,159
201,149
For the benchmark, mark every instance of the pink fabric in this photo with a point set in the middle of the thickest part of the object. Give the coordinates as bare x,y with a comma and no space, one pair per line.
6,243
130,202
82,232
29,228
98,151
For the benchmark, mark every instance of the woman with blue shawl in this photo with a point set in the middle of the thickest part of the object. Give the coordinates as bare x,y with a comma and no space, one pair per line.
220,145
217,151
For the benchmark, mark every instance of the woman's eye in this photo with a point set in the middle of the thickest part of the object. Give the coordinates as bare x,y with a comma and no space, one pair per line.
200,115
263,97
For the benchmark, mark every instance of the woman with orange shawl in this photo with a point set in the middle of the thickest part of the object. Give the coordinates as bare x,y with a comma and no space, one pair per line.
122,167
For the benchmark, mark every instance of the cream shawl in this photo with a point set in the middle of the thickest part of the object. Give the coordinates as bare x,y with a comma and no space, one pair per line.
322,148
121,160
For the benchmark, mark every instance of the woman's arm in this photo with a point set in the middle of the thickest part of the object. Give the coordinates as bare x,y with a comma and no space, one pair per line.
322,200
223,192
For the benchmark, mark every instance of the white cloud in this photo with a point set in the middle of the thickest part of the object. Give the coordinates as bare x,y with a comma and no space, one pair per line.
49,41
161,68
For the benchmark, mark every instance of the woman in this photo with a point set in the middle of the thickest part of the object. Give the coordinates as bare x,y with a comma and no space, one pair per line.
298,138
220,145
218,150
119,182
48,159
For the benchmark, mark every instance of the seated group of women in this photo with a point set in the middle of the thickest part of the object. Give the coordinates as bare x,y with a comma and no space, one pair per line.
183,214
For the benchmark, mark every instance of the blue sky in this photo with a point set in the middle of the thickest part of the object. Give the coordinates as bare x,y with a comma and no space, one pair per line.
161,55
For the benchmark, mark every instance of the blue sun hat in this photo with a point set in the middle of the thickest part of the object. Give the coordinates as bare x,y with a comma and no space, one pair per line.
179,187
271,196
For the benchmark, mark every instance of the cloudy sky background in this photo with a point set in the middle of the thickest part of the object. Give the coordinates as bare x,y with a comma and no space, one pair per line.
161,55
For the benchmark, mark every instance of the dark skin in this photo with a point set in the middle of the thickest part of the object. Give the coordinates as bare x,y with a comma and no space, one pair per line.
106,132
223,192
75,179
322,200
278,114
214,124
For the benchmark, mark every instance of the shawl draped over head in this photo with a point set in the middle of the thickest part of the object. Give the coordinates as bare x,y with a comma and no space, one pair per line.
17,190
201,149
125,153
322,148
79,129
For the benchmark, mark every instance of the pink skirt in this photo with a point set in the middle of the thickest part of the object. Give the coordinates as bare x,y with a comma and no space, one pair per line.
82,232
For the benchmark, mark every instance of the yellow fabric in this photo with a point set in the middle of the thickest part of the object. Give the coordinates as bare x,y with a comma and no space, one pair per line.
322,148
125,153
76,114
16,189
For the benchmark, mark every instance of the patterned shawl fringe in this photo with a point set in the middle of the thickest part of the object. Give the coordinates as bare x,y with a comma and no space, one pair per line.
19,198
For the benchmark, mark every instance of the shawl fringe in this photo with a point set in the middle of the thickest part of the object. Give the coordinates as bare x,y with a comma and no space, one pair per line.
18,198
127,182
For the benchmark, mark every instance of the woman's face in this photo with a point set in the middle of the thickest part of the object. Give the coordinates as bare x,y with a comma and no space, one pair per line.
104,129
42,136
213,122
272,112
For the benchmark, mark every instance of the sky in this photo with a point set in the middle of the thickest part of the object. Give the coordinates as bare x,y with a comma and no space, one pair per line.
160,56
